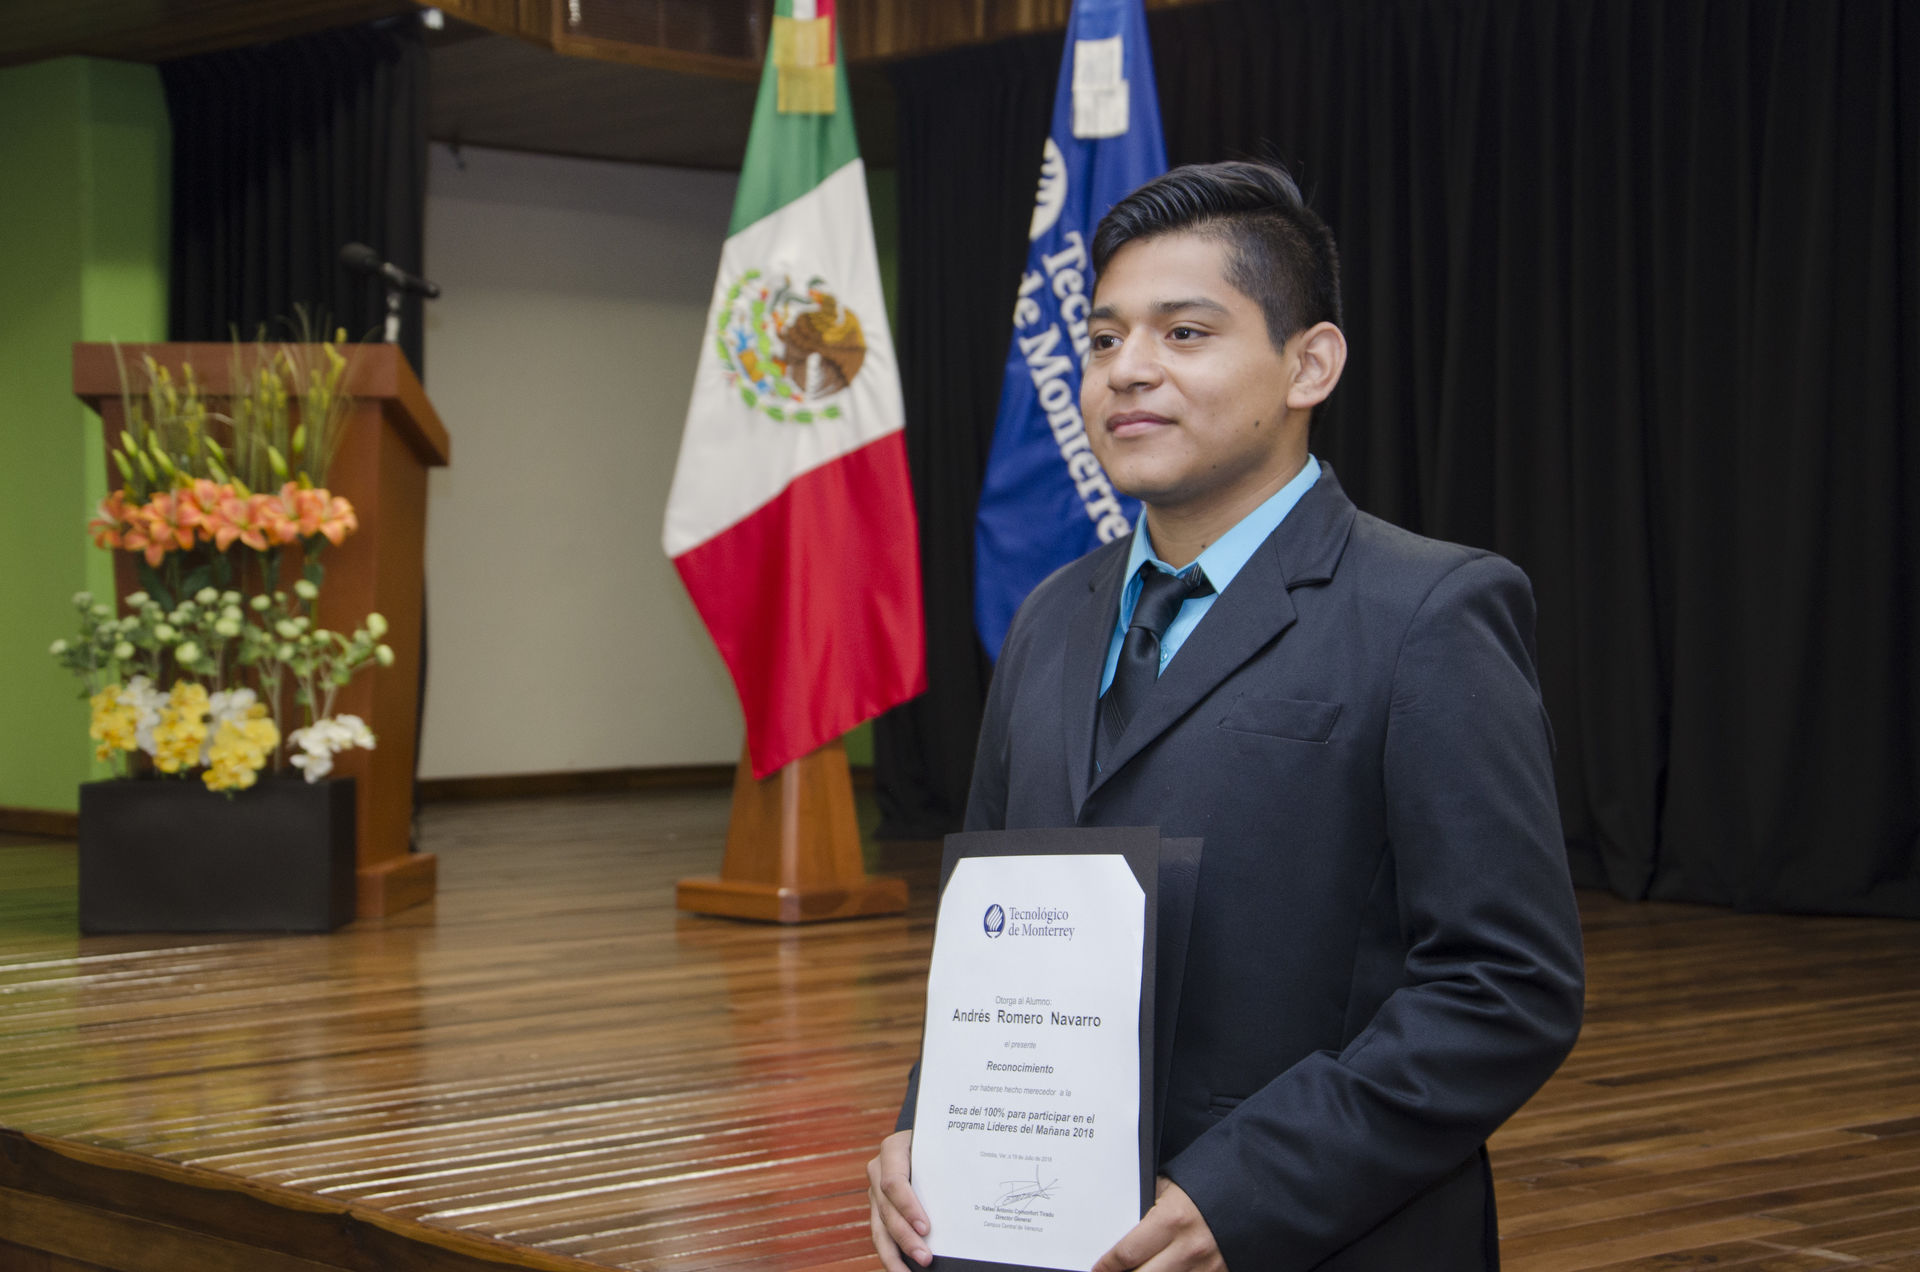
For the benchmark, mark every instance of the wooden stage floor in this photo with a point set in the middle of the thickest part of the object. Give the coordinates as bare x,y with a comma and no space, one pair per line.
548,1067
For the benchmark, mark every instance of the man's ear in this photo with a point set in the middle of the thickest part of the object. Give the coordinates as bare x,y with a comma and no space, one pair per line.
1320,354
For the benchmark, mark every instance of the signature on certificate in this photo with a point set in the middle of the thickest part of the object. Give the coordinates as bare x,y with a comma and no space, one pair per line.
1022,1193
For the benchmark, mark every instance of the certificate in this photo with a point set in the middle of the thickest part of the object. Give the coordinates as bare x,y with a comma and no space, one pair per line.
1033,1119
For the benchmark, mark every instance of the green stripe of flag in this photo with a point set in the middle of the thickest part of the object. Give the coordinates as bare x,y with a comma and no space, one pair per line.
788,155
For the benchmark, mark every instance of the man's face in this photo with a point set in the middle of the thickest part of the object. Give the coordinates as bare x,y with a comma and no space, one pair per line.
1185,397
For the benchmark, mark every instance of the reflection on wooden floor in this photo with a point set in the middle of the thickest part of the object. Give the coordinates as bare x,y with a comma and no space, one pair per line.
550,1057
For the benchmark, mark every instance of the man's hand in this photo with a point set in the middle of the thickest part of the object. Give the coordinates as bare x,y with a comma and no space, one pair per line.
899,1224
1173,1237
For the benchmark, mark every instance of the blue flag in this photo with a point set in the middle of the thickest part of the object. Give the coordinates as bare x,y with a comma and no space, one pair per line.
1045,499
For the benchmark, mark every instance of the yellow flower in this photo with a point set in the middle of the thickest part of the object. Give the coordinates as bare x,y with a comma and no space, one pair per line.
240,750
182,730
114,725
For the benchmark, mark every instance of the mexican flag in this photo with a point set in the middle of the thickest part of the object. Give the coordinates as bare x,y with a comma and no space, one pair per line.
791,520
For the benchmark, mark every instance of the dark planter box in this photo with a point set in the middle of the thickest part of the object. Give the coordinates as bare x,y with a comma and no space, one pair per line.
172,856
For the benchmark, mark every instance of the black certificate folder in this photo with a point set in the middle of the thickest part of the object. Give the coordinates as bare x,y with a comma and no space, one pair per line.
1168,867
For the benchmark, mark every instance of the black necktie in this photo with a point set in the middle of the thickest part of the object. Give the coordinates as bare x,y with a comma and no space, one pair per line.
1161,595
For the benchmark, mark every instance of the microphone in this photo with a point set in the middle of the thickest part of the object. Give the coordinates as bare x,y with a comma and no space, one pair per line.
361,259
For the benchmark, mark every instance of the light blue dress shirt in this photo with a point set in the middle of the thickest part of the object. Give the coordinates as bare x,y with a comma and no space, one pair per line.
1221,561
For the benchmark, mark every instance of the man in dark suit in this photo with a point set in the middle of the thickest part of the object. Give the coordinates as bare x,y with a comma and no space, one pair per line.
1384,961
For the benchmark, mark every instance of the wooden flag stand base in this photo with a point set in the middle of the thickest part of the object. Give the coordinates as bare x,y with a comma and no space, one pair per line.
793,850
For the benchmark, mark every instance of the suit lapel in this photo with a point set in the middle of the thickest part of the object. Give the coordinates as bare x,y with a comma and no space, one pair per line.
1089,633
1253,611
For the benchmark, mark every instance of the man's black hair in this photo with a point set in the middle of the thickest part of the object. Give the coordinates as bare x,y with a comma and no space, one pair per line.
1280,254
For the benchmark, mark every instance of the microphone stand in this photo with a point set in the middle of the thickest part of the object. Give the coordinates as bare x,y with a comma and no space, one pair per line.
393,314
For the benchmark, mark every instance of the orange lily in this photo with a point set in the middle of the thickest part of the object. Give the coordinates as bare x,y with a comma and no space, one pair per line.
310,506
158,528
110,521
339,521
277,515
199,504
322,512
236,522
134,539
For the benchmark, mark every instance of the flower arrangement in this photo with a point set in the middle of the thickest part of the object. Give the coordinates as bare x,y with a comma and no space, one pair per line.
214,528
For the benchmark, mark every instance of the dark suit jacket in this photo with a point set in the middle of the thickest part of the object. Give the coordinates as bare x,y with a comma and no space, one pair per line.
1384,957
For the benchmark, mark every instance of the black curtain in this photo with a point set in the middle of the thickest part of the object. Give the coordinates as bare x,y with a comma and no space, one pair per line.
1633,293
967,167
283,153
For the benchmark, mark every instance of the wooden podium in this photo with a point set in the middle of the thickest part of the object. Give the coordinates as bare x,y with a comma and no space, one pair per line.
793,849
392,437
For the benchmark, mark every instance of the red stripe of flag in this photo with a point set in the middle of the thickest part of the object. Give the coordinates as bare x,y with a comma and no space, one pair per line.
814,602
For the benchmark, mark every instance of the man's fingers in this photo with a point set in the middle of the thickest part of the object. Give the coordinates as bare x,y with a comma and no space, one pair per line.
1146,1239
1174,1237
899,1224
900,1230
883,1245
896,1179
902,1235
905,1202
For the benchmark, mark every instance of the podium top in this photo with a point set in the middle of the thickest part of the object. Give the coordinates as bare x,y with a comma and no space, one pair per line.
375,372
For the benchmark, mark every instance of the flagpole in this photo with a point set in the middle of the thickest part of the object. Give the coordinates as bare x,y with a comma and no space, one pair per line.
793,849
791,518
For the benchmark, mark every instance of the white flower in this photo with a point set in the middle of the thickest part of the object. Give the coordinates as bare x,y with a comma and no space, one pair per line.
228,704
123,651
146,702
81,600
188,652
206,596
58,648
320,741
305,590
225,705
376,625
355,730
135,600
163,631
228,627
315,764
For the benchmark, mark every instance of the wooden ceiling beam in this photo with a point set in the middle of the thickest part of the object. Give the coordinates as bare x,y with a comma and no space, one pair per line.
696,37
728,40
886,30
160,30
721,38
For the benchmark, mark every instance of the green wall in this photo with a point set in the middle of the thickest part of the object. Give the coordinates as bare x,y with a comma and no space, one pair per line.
84,172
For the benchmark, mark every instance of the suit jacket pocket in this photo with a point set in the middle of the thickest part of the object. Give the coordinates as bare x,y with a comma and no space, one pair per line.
1295,718
1218,1106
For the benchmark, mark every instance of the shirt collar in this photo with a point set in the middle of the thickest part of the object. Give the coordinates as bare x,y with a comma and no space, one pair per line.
1225,556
